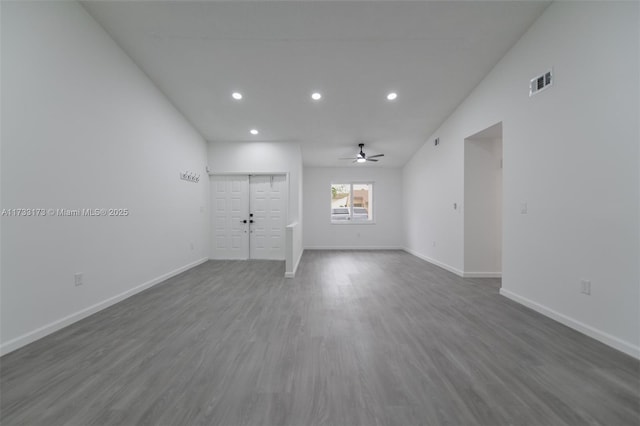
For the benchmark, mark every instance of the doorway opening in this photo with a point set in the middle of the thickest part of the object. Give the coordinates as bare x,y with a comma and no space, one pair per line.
483,203
248,214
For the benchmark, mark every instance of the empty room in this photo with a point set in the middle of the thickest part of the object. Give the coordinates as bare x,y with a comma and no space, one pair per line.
319,212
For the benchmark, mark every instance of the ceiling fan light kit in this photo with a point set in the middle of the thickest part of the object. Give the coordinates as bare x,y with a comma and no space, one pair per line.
362,157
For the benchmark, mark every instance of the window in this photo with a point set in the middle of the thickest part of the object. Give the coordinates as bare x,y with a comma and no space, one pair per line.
351,203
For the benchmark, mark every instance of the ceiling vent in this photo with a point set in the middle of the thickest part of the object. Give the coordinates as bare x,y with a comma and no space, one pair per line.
538,84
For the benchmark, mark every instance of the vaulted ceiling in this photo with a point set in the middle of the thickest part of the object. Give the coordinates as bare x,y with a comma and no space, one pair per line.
276,54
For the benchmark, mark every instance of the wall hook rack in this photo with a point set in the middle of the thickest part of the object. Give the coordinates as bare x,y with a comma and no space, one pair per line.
190,176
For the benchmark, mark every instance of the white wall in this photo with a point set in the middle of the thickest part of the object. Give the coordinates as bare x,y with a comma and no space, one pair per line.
386,232
482,207
83,127
571,153
433,226
265,157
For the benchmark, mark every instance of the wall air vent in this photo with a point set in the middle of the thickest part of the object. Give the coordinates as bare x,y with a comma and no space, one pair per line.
540,83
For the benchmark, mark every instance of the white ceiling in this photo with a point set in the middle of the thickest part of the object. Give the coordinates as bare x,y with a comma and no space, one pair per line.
354,52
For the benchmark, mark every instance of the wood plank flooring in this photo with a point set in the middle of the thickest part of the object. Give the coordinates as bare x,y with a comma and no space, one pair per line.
357,338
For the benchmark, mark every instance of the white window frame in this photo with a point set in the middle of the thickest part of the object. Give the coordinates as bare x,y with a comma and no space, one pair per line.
349,221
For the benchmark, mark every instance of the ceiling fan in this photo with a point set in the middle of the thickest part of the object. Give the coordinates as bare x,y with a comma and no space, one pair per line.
362,157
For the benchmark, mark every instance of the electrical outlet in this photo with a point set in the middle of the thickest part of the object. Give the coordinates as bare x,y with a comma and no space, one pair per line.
434,243
192,246
77,279
585,287
524,208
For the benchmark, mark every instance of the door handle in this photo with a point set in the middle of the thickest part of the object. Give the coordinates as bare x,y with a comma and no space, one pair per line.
251,221
244,221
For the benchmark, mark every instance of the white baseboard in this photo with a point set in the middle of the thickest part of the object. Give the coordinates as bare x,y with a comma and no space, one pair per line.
292,274
599,335
353,248
450,268
456,271
482,275
54,326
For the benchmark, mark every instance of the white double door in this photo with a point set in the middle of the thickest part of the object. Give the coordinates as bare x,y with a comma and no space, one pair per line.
248,216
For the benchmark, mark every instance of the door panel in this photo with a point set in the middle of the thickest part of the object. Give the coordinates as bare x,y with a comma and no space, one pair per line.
267,207
230,201
237,198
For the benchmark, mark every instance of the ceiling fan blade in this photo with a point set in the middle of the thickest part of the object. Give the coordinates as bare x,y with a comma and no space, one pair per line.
361,157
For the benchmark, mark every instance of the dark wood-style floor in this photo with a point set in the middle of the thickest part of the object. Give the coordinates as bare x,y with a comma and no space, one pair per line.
358,338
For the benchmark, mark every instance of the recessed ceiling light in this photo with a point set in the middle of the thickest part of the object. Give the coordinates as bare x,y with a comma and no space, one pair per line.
253,131
316,96
236,95
392,96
